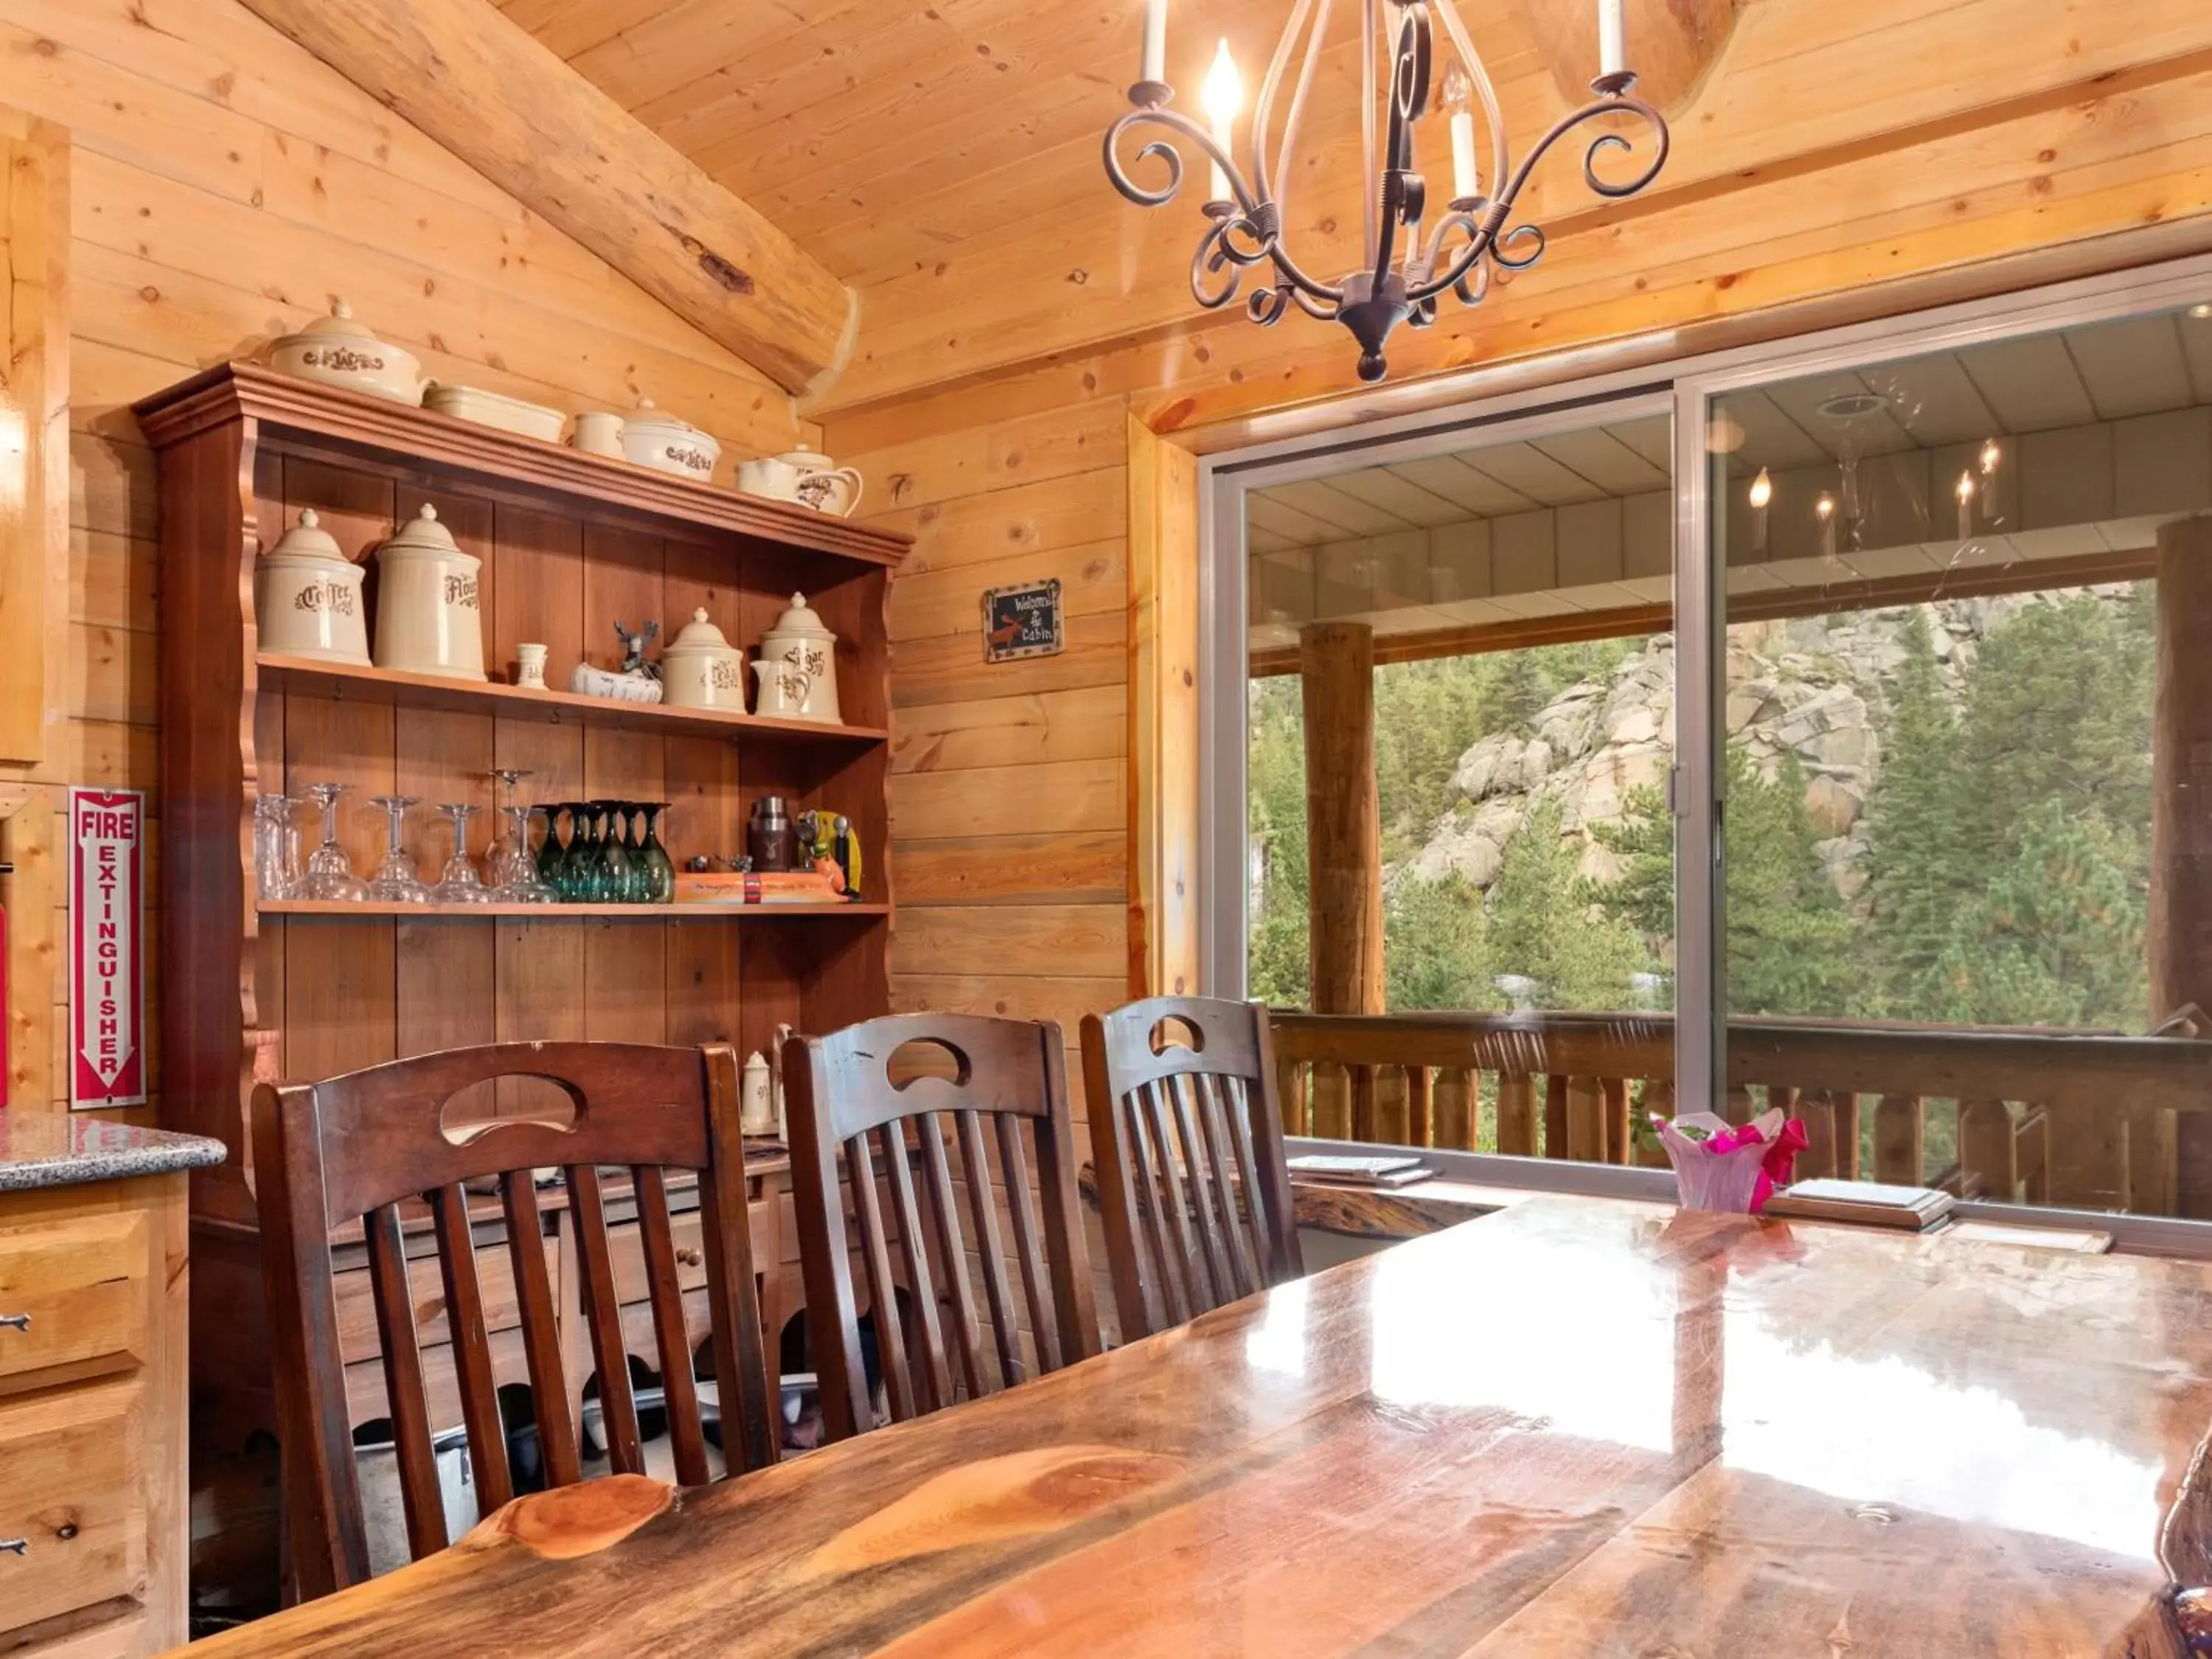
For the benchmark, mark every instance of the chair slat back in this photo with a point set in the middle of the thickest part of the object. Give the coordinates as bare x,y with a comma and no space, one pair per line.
845,1105
1188,1148
361,1146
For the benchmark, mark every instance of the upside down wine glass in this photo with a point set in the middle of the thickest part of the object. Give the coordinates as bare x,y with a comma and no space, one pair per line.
458,882
395,881
330,873
508,867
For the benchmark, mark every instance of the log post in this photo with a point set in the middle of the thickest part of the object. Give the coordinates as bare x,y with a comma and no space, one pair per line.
2179,936
1344,819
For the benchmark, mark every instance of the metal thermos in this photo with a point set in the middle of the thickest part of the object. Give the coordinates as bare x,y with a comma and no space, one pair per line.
770,837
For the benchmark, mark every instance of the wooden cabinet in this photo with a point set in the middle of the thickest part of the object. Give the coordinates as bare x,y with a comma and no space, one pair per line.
570,544
92,1413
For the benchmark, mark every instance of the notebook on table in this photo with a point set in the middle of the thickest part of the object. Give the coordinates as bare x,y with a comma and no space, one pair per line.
1868,1203
1346,1170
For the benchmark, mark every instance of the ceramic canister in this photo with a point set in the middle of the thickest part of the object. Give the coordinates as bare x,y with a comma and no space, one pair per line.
797,666
307,598
429,613
700,669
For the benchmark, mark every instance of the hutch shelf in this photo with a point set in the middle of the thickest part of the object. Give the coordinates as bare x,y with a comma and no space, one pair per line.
571,545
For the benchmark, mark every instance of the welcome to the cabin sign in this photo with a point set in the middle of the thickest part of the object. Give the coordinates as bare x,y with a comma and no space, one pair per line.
107,976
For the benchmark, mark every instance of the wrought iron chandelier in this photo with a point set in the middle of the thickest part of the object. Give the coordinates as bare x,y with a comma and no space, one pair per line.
1405,271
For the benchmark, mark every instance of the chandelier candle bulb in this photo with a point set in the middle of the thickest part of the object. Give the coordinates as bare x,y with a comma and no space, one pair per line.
1222,96
1612,46
1459,106
1966,493
1155,42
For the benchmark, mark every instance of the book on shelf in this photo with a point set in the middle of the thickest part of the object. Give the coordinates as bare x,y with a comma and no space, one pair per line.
1868,1203
1342,1171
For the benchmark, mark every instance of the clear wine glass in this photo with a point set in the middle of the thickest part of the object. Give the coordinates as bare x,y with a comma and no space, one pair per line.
330,873
506,860
395,881
276,847
522,884
458,882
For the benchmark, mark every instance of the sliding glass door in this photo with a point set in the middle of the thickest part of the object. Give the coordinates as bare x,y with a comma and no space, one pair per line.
1960,738
1480,631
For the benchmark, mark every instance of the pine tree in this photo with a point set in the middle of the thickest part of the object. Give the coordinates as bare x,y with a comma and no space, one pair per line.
1790,941
1916,861
1541,926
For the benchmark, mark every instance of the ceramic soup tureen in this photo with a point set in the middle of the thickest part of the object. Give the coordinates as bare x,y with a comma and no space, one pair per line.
429,607
659,440
798,667
307,598
339,352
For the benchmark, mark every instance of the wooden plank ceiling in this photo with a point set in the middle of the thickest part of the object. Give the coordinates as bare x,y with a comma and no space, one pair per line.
944,158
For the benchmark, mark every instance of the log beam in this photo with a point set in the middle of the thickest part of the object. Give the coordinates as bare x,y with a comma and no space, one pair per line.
1671,44
1344,819
480,85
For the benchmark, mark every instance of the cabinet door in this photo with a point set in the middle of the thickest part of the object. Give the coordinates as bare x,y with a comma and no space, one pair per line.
72,1292
73,1495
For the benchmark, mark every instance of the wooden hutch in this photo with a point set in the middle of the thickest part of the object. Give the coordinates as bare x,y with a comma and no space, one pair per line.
571,543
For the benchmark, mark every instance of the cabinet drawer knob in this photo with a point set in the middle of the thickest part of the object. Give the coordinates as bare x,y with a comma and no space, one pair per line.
18,1546
690,1257
18,1322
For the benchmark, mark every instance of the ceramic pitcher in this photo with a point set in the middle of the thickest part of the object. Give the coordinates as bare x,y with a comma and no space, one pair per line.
821,483
798,667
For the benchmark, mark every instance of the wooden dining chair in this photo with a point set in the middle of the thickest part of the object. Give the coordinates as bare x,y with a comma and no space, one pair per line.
357,1147
912,1084
1186,1139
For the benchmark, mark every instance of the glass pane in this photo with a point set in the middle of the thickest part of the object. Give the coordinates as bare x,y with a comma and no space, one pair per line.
1944,892
1516,596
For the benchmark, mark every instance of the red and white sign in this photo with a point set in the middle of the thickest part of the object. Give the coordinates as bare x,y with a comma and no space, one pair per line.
107,973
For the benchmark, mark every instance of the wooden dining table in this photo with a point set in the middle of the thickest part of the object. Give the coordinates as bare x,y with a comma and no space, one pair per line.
1575,1427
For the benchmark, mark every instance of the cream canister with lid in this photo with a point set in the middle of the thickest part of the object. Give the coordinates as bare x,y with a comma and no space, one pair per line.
307,596
429,608
701,669
797,666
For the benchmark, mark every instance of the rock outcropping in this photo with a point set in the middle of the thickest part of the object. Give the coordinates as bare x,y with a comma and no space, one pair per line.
1818,687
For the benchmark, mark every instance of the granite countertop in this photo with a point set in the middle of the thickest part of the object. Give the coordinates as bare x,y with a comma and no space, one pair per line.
59,1149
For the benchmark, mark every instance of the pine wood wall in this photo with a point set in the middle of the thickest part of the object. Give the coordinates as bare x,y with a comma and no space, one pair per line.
1009,832
226,187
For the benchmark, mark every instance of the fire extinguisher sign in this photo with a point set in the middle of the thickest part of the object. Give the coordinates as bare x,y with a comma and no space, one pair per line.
107,974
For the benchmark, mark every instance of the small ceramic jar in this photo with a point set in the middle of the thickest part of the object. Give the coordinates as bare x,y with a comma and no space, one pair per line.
820,484
308,600
798,667
770,478
661,441
700,669
338,352
429,608
598,432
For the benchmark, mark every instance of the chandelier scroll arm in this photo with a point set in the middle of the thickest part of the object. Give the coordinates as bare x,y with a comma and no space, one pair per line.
1611,103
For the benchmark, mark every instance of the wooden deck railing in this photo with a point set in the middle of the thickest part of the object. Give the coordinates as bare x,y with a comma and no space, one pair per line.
2084,1119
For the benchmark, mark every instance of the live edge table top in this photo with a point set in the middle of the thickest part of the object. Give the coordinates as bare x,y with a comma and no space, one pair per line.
1574,1428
